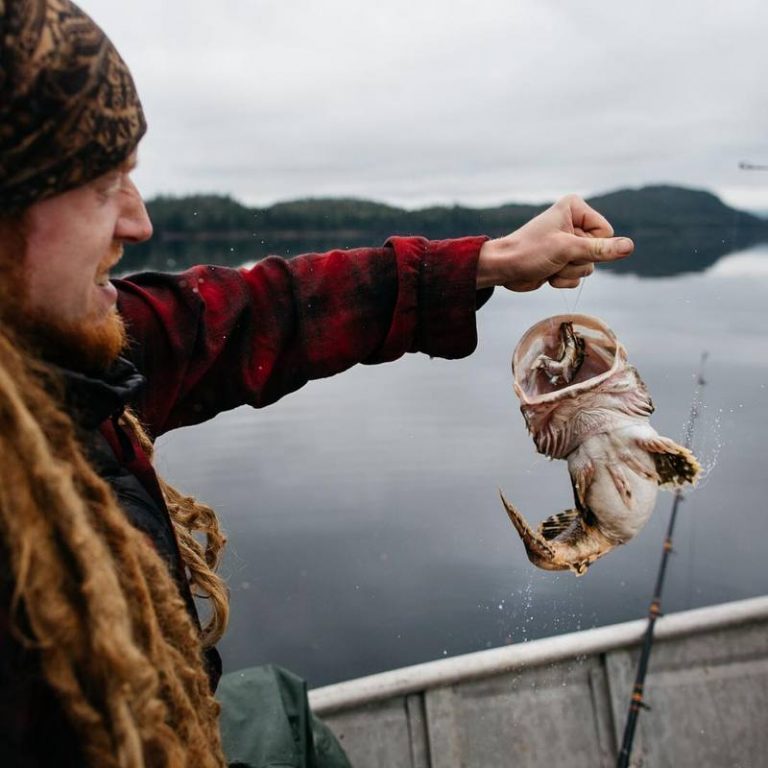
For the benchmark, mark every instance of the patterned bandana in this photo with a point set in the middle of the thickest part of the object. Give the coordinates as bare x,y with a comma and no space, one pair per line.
69,110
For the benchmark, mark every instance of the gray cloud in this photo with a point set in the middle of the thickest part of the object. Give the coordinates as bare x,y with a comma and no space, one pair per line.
412,103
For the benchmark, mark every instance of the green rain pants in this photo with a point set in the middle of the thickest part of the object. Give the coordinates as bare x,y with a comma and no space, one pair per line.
266,722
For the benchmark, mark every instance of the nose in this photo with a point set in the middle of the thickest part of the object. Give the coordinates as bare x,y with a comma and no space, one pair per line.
133,225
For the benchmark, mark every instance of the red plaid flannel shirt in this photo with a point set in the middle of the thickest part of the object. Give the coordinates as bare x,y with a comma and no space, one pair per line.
213,338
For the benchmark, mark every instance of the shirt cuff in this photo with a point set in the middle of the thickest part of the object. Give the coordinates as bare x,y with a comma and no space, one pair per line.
447,293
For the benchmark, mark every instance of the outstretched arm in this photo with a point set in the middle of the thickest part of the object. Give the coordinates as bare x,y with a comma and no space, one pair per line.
212,338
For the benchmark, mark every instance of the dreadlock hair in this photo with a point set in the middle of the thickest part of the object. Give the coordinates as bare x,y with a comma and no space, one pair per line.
91,599
191,517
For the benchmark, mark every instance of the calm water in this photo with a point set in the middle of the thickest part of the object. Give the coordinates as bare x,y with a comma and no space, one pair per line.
365,527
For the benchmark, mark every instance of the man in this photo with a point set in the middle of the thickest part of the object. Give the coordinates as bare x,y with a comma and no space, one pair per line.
103,660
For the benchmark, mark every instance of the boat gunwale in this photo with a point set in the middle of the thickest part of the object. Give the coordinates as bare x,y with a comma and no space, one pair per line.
534,653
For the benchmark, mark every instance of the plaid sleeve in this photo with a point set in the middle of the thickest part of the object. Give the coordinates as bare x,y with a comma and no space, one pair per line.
213,338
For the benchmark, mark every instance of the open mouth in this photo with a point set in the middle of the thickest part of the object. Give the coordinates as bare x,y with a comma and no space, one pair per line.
102,276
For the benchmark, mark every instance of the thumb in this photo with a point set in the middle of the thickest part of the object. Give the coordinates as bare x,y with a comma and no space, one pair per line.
605,248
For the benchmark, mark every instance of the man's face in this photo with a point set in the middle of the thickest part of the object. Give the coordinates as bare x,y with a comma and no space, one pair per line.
72,241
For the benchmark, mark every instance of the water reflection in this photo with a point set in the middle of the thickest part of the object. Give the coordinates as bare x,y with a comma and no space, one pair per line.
365,526
750,263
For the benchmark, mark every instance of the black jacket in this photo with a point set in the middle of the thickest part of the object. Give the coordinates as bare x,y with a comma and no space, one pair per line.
34,731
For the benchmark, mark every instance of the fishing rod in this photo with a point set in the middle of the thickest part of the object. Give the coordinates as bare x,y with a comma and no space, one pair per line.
636,702
745,166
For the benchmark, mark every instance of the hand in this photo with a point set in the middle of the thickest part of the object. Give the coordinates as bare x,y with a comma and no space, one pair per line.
559,246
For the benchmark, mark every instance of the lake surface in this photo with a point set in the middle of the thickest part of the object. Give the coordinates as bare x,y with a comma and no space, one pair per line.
365,527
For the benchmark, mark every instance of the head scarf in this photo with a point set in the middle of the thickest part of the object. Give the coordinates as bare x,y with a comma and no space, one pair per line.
69,110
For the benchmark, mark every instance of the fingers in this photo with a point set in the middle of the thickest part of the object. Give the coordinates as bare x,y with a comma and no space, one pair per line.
599,249
586,218
570,276
523,286
564,282
576,270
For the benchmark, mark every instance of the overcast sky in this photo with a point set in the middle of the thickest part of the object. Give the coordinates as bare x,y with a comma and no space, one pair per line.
471,101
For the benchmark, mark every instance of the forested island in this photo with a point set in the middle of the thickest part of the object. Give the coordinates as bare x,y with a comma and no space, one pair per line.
675,229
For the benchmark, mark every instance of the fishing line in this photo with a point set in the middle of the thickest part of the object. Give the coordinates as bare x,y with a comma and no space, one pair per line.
571,309
578,294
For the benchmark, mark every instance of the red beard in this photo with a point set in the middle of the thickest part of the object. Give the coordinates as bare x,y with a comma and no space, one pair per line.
88,345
